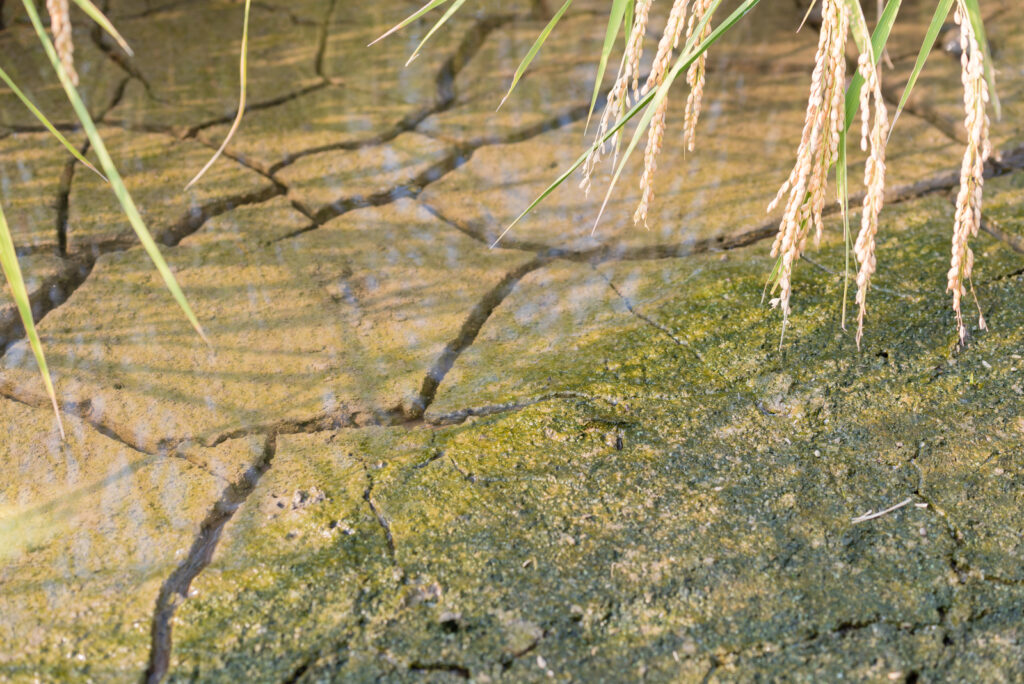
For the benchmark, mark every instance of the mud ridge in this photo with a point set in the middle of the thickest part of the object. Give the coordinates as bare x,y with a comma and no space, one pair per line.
176,587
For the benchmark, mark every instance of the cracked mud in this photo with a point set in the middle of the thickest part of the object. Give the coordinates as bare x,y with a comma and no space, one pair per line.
409,457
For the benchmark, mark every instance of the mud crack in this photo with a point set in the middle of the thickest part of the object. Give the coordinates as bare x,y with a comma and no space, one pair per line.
175,588
469,330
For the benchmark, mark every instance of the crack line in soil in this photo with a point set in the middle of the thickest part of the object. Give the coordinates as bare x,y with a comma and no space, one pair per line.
195,129
106,45
462,415
631,307
471,43
460,154
460,671
175,588
1011,159
54,292
381,520
292,17
63,199
308,426
469,330
1014,242
322,38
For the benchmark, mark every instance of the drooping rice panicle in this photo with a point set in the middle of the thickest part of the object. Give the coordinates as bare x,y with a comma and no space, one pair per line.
641,13
60,27
618,96
656,134
695,76
874,135
804,190
979,147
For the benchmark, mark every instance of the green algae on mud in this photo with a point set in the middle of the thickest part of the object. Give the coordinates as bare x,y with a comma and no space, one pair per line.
621,475
680,505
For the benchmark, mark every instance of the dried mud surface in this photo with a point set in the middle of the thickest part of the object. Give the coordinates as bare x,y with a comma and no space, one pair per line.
408,456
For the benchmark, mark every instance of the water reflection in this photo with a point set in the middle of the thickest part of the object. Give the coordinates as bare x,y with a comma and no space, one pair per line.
339,254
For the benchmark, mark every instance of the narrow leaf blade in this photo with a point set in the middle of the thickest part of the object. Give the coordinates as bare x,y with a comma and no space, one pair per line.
877,45
440,22
46,122
242,76
615,19
96,15
12,272
534,49
116,182
930,36
411,18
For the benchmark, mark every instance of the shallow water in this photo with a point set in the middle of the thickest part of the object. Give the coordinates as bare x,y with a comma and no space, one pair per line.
339,259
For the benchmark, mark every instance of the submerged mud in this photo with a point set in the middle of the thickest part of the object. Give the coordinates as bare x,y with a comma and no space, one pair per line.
581,455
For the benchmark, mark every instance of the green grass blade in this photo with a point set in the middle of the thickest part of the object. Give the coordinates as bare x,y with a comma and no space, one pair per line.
411,18
615,19
878,40
578,163
644,101
974,13
440,22
859,27
687,56
873,45
46,122
96,15
243,70
534,49
12,272
930,36
116,182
